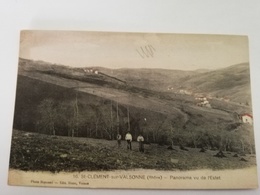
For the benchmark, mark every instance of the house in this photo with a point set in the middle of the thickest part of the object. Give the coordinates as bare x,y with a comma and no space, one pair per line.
201,98
204,104
91,70
247,118
186,92
86,70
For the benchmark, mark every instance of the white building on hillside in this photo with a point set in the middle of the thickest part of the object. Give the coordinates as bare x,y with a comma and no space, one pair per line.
247,118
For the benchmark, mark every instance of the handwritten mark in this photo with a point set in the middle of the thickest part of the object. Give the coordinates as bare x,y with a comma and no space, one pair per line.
146,51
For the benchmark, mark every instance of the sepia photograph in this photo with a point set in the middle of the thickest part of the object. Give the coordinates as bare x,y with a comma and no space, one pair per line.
133,110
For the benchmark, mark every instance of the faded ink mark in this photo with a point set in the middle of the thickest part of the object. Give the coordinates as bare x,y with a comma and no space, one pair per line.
146,51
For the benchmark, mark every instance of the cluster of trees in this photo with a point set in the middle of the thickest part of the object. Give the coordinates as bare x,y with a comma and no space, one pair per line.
72,118
217,136
103,119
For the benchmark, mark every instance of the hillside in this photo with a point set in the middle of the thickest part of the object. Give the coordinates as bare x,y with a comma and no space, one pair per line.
59,100
154,79
57,153
232,83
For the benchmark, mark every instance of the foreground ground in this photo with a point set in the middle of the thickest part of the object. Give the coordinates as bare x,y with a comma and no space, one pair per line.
38,152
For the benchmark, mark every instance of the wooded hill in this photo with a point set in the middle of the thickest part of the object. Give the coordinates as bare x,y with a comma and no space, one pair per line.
60,100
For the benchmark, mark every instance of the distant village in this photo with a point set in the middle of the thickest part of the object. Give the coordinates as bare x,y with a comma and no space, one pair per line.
203,101
90,70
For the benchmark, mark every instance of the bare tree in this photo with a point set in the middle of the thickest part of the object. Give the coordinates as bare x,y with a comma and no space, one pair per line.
48,112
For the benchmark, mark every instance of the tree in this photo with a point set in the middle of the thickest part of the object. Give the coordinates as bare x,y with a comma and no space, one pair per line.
49,114
196,136
66,117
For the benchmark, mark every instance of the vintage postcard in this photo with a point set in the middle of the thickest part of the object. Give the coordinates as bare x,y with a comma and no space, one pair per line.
133,110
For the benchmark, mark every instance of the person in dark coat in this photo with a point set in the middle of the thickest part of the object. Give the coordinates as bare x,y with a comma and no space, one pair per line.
128,138
140,140
118,138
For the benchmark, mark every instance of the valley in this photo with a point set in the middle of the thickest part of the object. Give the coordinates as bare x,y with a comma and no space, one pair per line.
172,109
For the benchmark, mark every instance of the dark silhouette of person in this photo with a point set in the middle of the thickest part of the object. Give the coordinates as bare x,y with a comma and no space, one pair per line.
128,138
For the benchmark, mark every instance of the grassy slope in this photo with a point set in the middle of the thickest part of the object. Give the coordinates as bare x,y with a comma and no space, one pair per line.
38,152
178,108
232,82
29,96
155,79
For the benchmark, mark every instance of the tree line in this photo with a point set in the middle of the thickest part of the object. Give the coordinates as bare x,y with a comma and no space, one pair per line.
103,119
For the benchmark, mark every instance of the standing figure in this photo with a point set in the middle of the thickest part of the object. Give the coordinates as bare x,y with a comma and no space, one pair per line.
128,138
118,137
140,140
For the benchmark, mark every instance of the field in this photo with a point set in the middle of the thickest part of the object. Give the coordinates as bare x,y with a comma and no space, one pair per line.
38,152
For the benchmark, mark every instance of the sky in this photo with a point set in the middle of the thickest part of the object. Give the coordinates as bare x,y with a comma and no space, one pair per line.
134,50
